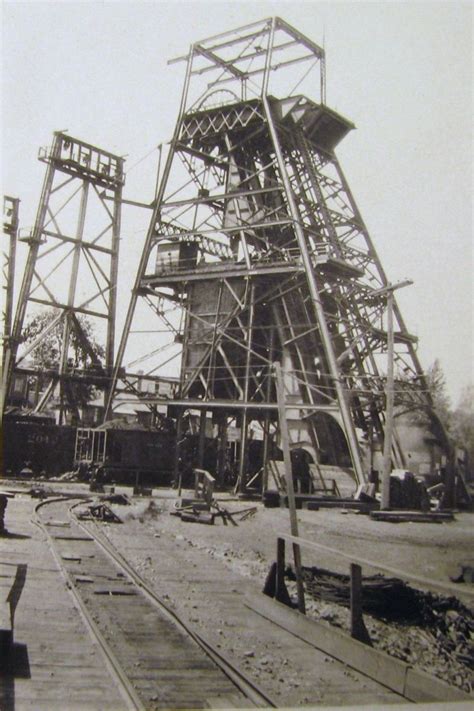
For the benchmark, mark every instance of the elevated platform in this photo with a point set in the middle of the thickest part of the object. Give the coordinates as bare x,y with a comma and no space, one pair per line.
177,273
320,124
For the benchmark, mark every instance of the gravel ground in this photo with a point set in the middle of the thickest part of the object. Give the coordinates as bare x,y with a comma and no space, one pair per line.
444,648
247,551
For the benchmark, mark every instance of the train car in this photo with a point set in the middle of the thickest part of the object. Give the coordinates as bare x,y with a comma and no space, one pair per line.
138,456
36,445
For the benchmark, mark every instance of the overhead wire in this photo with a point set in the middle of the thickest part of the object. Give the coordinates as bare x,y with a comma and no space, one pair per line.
140,160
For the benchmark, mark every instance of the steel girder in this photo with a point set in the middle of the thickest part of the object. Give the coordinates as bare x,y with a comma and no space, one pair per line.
11,207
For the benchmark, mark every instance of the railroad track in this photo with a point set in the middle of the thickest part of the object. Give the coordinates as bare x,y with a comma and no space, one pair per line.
155,658
158,661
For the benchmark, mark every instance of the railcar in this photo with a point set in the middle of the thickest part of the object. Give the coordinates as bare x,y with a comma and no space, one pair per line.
36,445
127,456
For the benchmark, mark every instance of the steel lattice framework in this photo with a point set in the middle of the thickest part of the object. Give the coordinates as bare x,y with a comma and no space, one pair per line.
72,264
256,241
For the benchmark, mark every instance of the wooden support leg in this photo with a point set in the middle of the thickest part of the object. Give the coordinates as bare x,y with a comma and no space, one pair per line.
358,628
280,569
280,592
299,578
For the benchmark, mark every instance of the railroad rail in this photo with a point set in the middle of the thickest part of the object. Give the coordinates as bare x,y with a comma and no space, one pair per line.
154,657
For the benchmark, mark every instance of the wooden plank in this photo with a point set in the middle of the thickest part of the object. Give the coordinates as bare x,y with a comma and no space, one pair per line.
387,671
72,538
422,687
445,587
227,702
331,641
115,591
358,628
411,516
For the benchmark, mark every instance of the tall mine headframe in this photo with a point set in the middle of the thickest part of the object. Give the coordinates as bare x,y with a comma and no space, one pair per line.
70,274
256,253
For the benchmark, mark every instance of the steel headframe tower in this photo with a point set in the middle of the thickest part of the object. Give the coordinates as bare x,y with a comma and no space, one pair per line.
257,242
11,208
72,265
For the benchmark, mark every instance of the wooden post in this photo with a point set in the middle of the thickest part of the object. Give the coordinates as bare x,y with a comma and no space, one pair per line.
280,567
358,628
289,484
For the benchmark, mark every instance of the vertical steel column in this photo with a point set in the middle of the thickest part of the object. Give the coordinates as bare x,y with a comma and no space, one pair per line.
212,356
113,280
221,447
202,438
289,482
178,463
10,228
389,397
266,427
316,300
72,292
244,424
383,277
35,242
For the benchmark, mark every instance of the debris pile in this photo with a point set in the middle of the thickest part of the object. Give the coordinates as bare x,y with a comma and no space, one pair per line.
387,598
432,632
100,511
197,512
203,508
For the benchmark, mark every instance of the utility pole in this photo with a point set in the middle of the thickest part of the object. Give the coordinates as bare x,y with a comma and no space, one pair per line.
389,394
285,443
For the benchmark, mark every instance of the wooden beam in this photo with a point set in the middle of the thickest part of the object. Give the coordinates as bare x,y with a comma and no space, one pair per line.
388,671
422,581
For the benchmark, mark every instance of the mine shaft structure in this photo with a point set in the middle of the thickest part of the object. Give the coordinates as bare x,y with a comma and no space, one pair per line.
11,210
256,253
71,273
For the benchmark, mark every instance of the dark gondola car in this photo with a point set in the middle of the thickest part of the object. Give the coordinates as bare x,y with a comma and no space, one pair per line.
135,456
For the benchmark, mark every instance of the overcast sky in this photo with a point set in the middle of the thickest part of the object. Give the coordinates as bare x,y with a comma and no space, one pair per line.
401,71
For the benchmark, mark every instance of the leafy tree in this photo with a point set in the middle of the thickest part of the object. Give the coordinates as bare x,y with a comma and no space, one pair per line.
437,385
459,422
48,351
84,352
416,411
462,424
